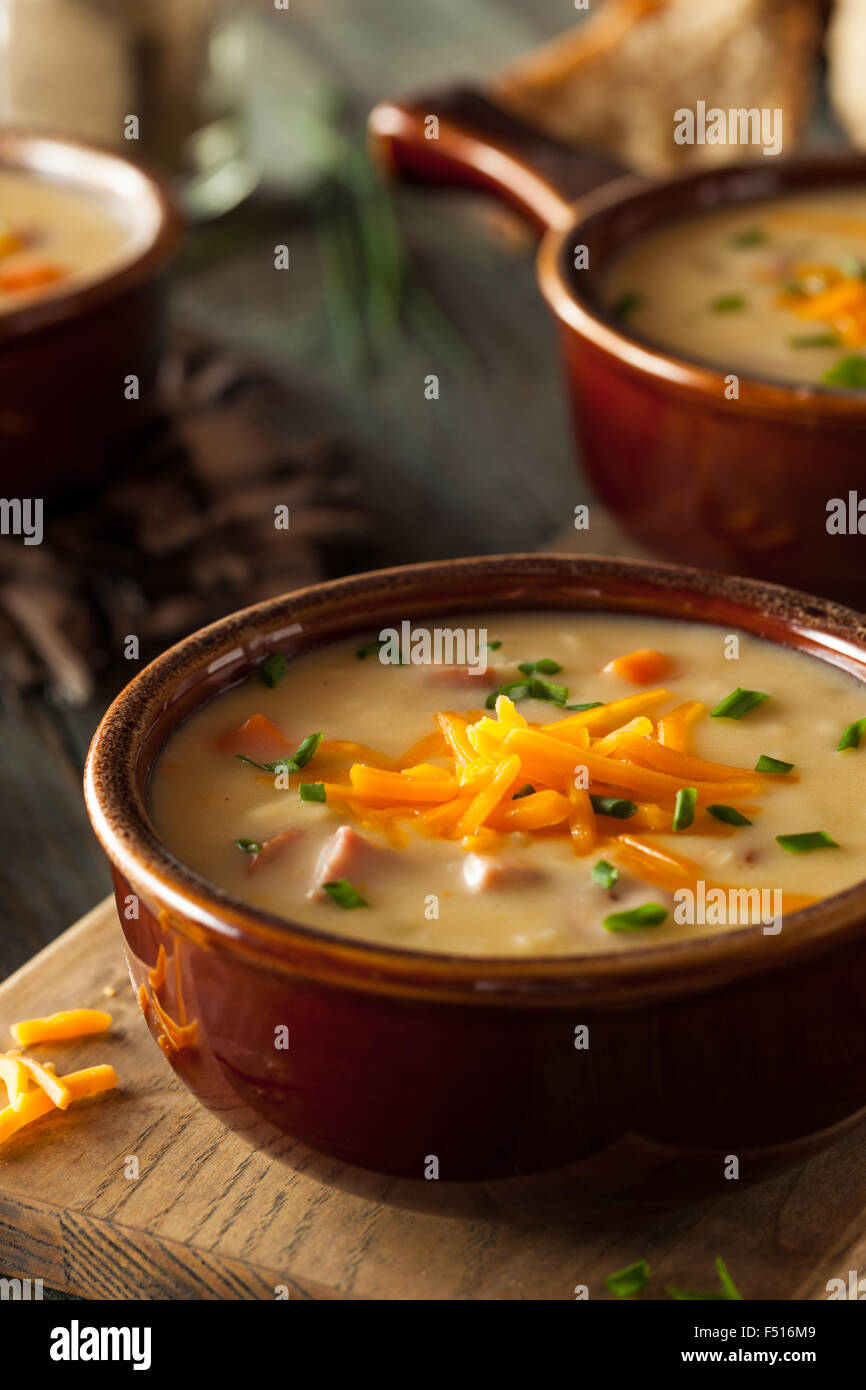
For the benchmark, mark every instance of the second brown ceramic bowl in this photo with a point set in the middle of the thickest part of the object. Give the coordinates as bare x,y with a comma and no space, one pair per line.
65,410
737,484
744,1044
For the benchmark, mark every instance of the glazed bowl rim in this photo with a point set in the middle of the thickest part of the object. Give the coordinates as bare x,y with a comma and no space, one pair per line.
147,260
119,817
762,395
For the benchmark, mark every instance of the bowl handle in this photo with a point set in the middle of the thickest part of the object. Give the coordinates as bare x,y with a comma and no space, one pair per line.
462,138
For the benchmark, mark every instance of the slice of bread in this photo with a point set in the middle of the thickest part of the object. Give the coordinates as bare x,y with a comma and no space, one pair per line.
846,67
615,81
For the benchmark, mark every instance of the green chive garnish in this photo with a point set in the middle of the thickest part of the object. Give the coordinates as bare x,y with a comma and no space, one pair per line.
544,690
630,1280
342,893
547,667
848,371
767,764
739,703
312,791
613,806
810,340
648,915
684,807
515,690
526,790
810,839
729,1289
727,303
627,304
299,759
273,668
367,648
604,874
590,704
729,814
749,236
494,646
852,736
249,846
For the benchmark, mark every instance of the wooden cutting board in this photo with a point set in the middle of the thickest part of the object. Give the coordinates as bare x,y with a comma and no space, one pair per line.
216,1213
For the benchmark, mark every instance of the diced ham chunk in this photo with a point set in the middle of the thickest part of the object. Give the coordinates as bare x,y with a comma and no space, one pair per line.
272,848
466,677
345,855
258,737
481,872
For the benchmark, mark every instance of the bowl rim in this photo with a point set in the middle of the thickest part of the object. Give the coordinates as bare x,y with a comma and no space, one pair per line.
198,908
703,191
20,148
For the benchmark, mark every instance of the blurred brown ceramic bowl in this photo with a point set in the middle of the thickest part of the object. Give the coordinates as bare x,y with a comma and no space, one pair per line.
740,485
64,357
742,1044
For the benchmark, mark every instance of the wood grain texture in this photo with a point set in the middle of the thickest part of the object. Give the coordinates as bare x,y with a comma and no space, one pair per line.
235,1213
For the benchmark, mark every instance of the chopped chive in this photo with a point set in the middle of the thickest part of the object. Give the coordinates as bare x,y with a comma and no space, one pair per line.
312,791
604,874
299,758
625,1282
494,646
684,808
767,764
647,915
249,846
727,304
343,894
590,704
613,806
626,304
544,690
852,736
547,667
515,690
739,703
809,840
729,1289
729,814
749,236
848,371
810,340
526,790
273,668
854,268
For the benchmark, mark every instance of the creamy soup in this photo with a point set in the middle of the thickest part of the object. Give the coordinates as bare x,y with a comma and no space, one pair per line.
52,237
773,289
532,827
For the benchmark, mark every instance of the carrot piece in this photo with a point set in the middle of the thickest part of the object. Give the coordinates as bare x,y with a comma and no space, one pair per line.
531,812
675,727
15,1077
48,1082
70,1023
602,718
639,725
488,797
258,738
30,277
90,1081
642,667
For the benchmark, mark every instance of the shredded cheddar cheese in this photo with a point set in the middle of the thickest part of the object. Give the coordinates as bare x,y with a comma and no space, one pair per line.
70,1023
76,1085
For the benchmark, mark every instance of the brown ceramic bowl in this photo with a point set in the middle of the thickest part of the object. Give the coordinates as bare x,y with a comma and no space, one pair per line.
744,1044
64,414
738,485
